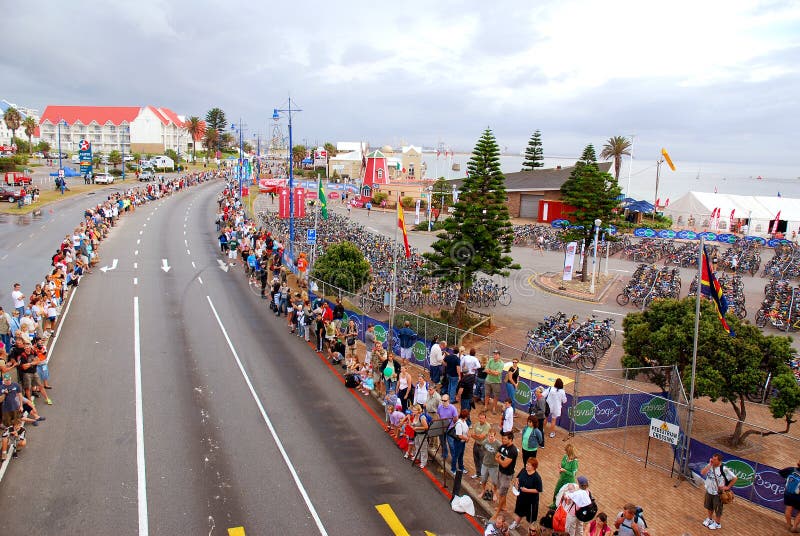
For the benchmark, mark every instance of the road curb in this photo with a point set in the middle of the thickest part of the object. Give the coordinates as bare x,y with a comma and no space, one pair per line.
536,280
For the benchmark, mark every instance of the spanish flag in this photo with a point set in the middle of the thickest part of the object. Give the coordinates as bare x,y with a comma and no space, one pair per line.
401,223
668,159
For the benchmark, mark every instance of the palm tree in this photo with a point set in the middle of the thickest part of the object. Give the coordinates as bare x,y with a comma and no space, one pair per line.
616,147
13,120
30,127
196,128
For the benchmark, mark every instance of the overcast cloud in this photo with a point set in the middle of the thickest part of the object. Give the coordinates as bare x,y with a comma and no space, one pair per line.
710,80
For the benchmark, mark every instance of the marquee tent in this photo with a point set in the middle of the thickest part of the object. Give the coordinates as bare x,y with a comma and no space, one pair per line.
760,210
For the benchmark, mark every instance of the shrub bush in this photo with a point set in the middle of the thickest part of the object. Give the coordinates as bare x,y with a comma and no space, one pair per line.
408,202
379,197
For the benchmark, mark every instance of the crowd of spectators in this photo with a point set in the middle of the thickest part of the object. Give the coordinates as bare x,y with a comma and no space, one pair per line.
26,329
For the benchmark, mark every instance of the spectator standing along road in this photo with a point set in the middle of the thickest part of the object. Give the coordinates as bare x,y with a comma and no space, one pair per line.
718,478
407,337
556,398
494,375
436,358
791,496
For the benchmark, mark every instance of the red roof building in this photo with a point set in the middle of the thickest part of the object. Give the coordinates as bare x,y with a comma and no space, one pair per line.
147,129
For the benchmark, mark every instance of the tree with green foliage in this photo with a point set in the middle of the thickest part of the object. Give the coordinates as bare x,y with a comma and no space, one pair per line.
342,265
13,120
478,237
171,153
196,128
215,120
441,197
29,124
97,158
210,140
728,368
298,153
534,154
594,196
330,149
114,158
42,147
615,148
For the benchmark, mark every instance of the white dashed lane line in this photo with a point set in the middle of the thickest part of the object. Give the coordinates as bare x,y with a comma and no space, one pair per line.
188,252
138,241
18,245
200,280
141,233
136,252
193,265
135,280
135,265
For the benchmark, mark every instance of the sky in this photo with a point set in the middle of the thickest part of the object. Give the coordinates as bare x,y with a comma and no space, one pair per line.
713,81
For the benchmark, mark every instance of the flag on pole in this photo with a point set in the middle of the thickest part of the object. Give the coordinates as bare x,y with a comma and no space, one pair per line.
323,201
774,226
401,223
667,159
710,288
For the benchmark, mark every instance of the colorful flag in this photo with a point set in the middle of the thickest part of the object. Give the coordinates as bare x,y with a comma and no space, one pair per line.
774,226
401,223
323,201
710,288
668,159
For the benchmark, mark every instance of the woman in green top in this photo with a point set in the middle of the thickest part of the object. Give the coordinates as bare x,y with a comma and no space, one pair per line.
569,468
531,439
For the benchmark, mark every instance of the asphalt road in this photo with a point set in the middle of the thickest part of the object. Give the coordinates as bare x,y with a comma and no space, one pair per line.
240,423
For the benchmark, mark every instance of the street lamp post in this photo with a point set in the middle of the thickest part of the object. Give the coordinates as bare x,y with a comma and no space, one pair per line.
122,146
597,223
608,246
240,171
60,121
275,115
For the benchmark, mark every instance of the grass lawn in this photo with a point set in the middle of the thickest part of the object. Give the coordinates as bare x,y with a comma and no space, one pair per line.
48,196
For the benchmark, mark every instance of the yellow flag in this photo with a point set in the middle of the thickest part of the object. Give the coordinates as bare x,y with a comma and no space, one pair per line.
668,159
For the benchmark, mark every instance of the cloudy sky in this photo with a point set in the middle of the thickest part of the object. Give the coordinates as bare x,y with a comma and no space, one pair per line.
710,80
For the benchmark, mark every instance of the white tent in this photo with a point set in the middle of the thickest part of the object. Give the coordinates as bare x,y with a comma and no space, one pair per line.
699,207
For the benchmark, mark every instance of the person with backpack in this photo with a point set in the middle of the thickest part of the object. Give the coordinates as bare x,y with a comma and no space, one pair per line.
582,509
555,398
629,522
718,480
791,496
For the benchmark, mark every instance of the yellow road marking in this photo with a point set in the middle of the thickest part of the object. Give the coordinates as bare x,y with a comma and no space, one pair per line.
391,519
428,533
236,531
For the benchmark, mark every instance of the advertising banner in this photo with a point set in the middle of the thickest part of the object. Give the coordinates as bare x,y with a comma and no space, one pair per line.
569,261
85,156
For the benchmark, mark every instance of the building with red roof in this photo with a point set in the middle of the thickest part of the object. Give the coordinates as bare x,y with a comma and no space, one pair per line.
132,129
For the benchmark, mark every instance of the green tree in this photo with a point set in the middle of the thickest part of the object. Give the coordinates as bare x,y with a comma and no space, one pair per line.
478,237
196,128
227,141
174,155
298,153
13,120
215,120
97,157
728,368
441,196
534,155
42,146
342,265
330,149
616,147
115,158
594,196
211,140
29,124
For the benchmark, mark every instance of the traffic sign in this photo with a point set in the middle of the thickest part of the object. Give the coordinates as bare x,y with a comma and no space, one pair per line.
61,173
311,236
664,431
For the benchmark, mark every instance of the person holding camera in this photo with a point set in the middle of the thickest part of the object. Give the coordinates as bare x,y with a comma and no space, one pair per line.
719,479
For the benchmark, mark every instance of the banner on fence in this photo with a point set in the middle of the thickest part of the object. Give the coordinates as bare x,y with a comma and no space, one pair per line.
569,260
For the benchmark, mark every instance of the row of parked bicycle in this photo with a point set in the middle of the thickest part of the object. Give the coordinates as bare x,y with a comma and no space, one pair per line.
649,283
780,307
732,288
785,264
564,340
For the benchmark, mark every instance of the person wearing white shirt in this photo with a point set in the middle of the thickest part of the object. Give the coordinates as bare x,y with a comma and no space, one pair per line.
19,299
508,416
580,498
470,363
436,358
556,398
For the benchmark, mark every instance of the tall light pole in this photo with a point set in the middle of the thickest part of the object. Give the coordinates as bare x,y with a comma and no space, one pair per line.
240,171
122,146
59,142
597,223
275,115
630,168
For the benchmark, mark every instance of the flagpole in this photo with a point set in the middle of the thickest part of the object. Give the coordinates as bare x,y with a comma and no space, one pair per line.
690,419
394,285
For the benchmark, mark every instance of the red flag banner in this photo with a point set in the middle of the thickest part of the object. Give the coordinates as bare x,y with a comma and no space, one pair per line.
401,223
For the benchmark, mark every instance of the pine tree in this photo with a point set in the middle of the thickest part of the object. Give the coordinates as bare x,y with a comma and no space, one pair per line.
478,236
594,196
534,155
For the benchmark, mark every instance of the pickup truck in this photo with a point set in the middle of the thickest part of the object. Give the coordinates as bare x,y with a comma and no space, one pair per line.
147,175
104,178
15,178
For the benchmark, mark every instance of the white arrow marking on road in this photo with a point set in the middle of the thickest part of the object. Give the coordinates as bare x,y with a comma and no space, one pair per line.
113,266
222,265
165,266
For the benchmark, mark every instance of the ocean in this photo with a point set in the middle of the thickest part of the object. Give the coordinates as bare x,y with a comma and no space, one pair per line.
727,178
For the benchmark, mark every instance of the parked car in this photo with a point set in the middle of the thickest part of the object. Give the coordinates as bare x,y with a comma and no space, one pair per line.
147,175
9,194
15,178
103,178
